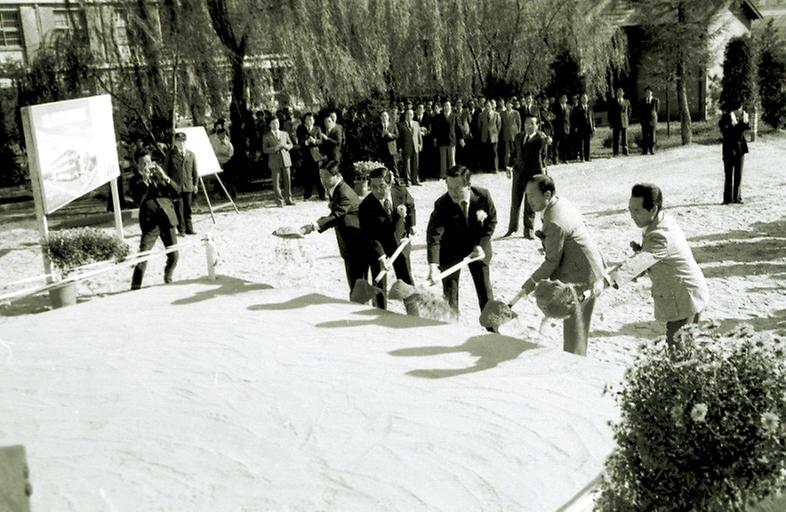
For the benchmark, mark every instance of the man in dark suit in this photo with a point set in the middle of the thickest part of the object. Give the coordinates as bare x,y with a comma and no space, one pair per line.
153,190
332,140
732,126
387,149
461,225
547,127
583,126
447,134
181,167
529,107
562,129
511,127
343,217
309,136
529,159
386,216
619,116
571,256
410,141
648,112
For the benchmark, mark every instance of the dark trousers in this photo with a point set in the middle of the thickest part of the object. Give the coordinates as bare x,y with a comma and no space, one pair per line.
390,162
647,139
147,242
732,169
490,160
479,271
504,149
575,328
619,137
675,325
403,271
583,145
355,268
311,179
562,147
410,167
183,210
516,196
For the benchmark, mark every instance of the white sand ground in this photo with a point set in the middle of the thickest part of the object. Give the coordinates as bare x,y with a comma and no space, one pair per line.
740,248
236,396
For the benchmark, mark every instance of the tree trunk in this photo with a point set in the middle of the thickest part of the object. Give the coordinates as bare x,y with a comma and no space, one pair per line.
668,114
682,100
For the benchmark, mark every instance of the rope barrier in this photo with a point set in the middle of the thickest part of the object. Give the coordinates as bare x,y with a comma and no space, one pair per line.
107,266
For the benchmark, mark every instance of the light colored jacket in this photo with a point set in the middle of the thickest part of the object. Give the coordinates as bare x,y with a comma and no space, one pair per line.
678,286
571,255
490,124
277,145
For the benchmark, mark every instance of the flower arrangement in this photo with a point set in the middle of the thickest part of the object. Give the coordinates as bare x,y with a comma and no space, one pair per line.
72,248
702,424
361,169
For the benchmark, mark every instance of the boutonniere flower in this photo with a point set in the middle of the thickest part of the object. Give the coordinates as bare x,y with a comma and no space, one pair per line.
482,215
402,210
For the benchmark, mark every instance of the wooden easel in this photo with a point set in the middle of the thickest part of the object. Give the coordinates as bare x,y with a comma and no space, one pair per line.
218,206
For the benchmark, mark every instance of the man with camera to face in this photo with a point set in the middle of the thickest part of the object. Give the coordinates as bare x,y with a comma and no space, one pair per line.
733,125
154,191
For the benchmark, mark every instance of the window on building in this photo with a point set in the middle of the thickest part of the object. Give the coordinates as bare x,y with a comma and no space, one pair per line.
10,29
120,32
68,19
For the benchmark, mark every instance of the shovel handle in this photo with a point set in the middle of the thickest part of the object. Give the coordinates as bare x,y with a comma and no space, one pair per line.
404,242
455,268
520,295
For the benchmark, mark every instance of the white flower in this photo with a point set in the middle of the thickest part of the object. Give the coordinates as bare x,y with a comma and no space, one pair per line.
770,422
482,215
698,413
402,210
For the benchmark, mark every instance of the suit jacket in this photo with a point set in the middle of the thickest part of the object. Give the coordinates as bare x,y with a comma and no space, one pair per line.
156,209
446,129
386,139
450,237
582,120
277,145
511,124
331,147
619,114
182,169
384,232
529,157
531,110
734,142
561,119
410,137
311,148
343,218
571,255
546,121
678,286
490,125
648,112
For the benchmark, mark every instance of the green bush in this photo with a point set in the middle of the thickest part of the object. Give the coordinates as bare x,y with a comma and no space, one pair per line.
702,425
72,248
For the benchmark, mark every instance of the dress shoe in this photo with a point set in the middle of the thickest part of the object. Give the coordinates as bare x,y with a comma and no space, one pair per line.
417,184
739,201
509,234
290,203
529,236
192,232
181,232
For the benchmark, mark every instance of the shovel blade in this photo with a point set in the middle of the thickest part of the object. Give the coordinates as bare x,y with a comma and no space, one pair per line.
495,313
363,291
400,290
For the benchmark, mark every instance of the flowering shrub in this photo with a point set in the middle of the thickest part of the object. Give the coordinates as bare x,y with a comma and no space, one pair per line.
361,169
702,425
72,248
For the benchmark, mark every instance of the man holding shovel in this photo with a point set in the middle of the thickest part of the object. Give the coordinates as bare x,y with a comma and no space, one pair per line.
343,217
387,216
461,226
571,257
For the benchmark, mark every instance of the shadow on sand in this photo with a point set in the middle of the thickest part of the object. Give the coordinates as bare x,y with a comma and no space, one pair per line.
223,285
490,349
382,318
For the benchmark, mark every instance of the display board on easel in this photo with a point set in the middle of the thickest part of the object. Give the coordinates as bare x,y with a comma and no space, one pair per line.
71,150
198,143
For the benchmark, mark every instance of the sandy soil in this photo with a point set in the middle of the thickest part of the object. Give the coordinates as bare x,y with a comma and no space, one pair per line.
740,248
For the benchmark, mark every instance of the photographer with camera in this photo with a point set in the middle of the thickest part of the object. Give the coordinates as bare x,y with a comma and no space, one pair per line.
154,191
733,125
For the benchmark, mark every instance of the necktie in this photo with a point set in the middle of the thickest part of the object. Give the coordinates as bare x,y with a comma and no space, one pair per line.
388,206
465,210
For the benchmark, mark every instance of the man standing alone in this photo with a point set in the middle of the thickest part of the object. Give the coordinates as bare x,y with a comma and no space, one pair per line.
181,167
619,115
648,111
733,125
529,159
